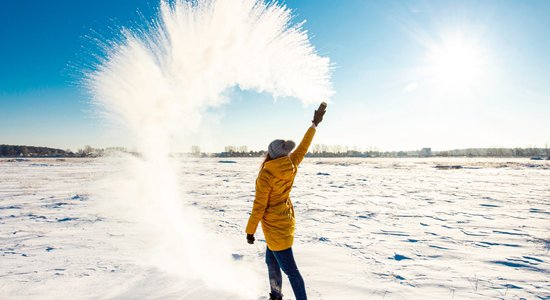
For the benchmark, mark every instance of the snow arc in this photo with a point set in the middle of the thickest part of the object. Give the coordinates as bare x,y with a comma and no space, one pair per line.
158,81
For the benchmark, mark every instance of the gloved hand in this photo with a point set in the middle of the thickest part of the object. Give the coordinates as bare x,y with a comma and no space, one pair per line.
250,238
319,113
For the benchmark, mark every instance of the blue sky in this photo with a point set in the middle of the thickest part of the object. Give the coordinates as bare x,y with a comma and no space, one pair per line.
408,74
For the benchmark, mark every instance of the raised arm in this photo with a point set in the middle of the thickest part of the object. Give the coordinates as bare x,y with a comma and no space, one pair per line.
298,155
260,204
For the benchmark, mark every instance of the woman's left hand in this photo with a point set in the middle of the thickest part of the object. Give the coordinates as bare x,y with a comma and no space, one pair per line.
250,238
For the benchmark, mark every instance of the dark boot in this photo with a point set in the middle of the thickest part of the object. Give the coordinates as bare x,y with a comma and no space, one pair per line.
271,297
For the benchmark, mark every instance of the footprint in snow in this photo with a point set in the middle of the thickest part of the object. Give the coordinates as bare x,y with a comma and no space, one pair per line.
400,257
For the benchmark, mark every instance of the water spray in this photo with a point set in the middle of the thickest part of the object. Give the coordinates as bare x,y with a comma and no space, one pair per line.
156,83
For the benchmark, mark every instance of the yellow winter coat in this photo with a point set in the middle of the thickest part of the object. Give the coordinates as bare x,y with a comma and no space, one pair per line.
272,205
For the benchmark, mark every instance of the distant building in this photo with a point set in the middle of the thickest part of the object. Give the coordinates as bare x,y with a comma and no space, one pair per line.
425,152
230,149
195,150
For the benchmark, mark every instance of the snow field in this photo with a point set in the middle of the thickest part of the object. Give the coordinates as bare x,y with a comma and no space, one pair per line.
366,229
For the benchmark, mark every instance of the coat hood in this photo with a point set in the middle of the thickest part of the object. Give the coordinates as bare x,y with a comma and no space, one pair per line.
281,168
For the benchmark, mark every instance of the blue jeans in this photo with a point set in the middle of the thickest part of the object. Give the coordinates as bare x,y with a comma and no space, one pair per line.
277,260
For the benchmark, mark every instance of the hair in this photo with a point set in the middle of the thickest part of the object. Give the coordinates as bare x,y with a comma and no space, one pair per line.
267,158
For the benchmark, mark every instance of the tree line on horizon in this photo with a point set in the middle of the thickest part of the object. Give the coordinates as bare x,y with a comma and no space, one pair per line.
33,151
320,150
317,150
30,151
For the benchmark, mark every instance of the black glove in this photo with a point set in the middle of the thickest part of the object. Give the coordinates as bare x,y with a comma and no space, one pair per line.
319,113
250,238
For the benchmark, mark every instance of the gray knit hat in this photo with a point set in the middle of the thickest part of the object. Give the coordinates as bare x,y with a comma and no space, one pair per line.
280,148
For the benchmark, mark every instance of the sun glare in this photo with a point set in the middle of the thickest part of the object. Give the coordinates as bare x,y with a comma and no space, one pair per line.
457,62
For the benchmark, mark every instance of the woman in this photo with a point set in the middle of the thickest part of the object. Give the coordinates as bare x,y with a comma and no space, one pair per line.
272,206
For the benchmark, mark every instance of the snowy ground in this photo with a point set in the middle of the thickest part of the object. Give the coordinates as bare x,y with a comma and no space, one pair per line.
366,229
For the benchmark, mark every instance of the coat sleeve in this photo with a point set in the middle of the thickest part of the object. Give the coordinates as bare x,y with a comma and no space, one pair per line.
263,189
298,155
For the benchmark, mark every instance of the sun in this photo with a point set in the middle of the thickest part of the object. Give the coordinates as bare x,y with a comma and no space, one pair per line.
457,62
